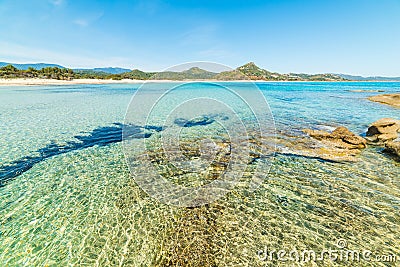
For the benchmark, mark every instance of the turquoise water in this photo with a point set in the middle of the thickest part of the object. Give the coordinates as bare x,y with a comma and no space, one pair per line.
79,205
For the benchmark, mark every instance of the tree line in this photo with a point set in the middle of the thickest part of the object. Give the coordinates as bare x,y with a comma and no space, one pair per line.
9,72
247,71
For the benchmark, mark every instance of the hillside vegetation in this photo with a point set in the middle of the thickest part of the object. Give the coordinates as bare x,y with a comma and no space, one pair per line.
249,71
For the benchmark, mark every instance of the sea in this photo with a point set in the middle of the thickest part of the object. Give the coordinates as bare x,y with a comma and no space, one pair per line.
80,167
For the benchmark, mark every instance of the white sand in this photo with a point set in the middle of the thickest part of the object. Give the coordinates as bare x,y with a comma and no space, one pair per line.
32,81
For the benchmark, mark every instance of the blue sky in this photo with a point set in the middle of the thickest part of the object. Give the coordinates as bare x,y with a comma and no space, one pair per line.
353,36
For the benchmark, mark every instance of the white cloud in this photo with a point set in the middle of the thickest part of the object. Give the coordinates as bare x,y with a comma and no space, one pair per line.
81,22
57,2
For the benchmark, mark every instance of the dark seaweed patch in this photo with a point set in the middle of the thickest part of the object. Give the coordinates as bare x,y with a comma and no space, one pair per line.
203,120
101,136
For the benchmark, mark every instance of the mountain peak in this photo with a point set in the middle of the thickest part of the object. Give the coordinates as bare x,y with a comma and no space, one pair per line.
197,71
251,64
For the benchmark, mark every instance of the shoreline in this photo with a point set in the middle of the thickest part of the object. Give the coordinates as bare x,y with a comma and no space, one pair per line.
38,82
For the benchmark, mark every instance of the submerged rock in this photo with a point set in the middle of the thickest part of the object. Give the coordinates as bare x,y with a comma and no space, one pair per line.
393,148
315,149
387,99
383,130
202,120
366,91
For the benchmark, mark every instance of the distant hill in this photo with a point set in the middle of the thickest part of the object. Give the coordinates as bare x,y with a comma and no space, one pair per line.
249,71
194,73
372,78
253,72
36,66
110,70
318,77
137,75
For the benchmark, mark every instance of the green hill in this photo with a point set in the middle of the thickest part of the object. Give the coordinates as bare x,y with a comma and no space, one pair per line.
249,71
194,73
36,66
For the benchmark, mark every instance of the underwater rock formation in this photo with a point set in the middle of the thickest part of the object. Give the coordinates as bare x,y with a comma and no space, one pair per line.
100,136
387,99
393,148
203,120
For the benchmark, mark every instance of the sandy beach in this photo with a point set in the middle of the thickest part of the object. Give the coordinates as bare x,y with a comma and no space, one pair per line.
33,81
27,82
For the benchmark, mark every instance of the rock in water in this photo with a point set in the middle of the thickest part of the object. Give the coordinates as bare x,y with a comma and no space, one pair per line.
341,137
340,145
383,130
387,99
393,148
347,139
202,120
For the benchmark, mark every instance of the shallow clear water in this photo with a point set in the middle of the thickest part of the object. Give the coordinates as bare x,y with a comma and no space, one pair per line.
83,208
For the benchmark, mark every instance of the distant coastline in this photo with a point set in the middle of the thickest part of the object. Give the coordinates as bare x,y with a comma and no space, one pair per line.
52,74
40,81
